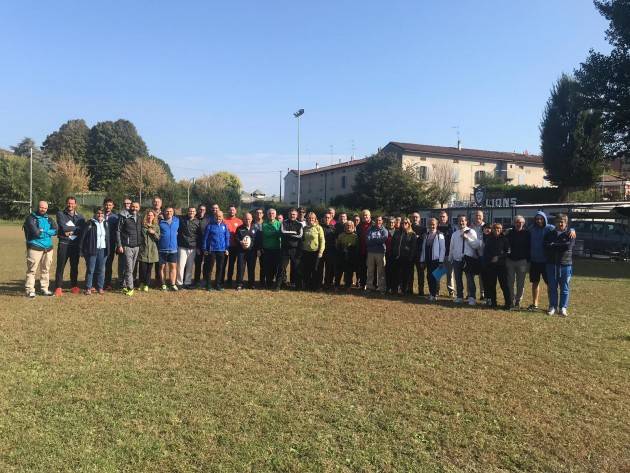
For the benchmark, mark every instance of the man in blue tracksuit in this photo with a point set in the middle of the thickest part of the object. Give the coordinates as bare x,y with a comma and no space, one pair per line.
39,229
215,247
167,247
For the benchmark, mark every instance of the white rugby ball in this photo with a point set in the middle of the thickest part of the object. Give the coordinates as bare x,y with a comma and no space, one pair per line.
246,242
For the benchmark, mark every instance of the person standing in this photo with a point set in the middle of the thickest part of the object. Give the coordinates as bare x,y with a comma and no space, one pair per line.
302,216
291,249
559,244
156,205
94,246
69,224
420,231
39,229
232,222
216,243
259,220
376,240
517,262
111,218
167,245
362,231
389,262
347,244
200,269
329,258
246,236
149,253
340,226
187,237
433,255
403,255
312,252
464,259
128,240
446,229
477,225
272,256
496,248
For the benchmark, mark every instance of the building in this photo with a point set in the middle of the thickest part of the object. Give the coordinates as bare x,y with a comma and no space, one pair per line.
613,187
468,166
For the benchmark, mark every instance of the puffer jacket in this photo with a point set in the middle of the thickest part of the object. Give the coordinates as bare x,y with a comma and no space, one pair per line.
188,234
38,231
129,232
559,247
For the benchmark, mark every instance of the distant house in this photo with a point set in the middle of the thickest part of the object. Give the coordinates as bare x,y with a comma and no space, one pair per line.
469,166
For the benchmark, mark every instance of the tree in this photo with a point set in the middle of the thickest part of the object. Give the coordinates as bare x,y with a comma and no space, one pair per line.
222,188
570,139
67,178
382,183
71,140
144,174
14,185
605,79
443,183
24,147
111,146
165,166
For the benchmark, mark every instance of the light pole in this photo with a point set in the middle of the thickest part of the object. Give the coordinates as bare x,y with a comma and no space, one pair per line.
297,115
30,186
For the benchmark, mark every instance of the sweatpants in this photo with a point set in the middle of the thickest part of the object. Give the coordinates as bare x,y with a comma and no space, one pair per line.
246,258
199,266
327,267
215,258
185,263
291,259
131,257
271,261
376,268
346,266
145,273
516,272
38,260
67,252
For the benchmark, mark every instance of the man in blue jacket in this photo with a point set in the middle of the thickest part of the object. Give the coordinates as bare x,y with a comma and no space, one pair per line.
167,246
39,229
69,225
376,240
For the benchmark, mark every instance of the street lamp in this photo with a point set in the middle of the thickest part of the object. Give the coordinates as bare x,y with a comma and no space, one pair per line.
297,115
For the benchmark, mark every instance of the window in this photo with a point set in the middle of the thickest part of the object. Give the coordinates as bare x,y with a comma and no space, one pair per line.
343,182
521,179
456,175
423,173
479,175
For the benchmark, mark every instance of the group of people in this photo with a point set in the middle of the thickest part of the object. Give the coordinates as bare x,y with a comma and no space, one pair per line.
202,249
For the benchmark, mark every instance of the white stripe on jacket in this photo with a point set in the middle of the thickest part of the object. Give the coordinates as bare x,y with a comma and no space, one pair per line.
438,251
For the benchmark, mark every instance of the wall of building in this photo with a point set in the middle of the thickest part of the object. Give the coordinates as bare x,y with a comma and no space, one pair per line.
320,187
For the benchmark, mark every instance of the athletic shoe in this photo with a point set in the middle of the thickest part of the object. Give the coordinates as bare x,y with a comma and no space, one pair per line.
164,287
174,287
46,292
488,302
209,289
563,312
459,300
472,301
532,308
145,288
129,292
432,298
219,288
101,291
88,292
75,290
551,311
239,288
58,292
31,295
108,287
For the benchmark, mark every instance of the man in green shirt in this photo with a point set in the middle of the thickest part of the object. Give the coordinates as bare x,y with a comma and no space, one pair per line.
272,256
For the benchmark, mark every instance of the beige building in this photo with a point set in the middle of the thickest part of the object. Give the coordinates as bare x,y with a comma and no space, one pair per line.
466,166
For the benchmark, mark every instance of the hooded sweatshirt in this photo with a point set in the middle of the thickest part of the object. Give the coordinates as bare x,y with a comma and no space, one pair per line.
537,238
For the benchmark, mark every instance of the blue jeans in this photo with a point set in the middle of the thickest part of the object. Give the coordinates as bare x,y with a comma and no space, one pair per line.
558,277
458,270
95,266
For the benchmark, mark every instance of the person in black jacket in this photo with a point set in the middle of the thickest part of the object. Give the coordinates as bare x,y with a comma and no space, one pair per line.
292,231
558,245
94,245
69,224
404,253
200,268
496,248
446,229
517,263
188,235
329,258
420,231
128,240
246,237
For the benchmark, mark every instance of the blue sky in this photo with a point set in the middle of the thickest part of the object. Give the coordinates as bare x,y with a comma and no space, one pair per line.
212,85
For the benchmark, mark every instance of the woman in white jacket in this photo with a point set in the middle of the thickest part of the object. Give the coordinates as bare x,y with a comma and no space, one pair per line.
432,253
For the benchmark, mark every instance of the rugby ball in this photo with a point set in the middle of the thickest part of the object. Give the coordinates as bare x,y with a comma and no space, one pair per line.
246,242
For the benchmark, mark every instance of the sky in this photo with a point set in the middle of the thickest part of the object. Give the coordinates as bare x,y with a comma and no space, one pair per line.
213,85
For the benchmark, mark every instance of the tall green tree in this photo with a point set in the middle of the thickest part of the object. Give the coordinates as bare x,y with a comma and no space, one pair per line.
570,138
605,79
382,183
111,146
23,148
70,141
14,185
164,165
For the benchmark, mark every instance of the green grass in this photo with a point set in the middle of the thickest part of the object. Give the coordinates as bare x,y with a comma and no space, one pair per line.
258,381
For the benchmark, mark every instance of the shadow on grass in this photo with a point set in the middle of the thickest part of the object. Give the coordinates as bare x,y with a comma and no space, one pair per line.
601,269
13,288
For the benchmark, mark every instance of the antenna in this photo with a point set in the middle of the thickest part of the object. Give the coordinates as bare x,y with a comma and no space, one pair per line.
353,149
459,141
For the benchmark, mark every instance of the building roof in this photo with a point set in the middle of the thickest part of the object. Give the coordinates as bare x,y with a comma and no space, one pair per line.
468,153
345,164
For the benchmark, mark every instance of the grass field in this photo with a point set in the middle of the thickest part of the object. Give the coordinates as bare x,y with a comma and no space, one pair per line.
260,381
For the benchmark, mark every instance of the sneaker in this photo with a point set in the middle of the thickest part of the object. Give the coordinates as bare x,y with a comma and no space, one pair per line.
432,298
145,288
58,292
472,301
239,288
31,295
46,292
488,302
174,287
164,287
532,308
101,291
88,292
220,288
459,300
563,312
516,307
551,311
129,292
75,290
108,287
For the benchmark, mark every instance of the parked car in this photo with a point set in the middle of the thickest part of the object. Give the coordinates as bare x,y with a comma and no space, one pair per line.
602,237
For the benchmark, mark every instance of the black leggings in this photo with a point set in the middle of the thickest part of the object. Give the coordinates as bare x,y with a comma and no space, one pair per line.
145,273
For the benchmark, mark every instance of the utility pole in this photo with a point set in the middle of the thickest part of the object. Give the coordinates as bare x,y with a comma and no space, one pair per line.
30,187
297,115
141,182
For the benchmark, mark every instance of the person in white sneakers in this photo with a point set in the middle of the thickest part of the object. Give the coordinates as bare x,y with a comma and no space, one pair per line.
39,229
464,258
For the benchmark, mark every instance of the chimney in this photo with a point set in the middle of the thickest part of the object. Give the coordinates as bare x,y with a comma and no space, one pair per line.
459,145
316,165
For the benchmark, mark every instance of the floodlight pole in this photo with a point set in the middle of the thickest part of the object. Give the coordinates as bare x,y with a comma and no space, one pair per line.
30,187
141,182
297,115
